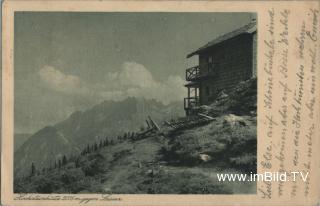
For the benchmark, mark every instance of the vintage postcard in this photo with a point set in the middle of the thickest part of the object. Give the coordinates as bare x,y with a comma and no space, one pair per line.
160,103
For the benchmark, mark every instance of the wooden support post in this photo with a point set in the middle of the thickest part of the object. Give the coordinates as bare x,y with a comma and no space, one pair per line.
148,124
167,123
196,95
154,124
206,116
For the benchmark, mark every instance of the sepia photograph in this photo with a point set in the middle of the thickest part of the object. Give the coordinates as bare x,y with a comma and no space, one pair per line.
134,102
160,103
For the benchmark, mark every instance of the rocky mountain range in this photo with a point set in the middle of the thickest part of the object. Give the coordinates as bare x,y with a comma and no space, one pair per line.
107,119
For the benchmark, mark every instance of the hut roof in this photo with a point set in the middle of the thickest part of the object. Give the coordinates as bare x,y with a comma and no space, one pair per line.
248,28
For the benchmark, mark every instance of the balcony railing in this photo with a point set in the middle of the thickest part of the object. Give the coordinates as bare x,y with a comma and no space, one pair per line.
191,102
194,73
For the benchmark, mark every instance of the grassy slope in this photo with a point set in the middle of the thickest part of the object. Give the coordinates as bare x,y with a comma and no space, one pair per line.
127,167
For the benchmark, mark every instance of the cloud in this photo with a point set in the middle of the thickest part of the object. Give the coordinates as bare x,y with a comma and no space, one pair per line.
58,81
132,80
131,75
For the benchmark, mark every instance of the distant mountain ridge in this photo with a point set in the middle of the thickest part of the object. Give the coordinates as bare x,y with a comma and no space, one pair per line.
19,139
107,119
44,147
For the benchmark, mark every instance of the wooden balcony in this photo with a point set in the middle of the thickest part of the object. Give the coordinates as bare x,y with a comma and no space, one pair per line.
193,73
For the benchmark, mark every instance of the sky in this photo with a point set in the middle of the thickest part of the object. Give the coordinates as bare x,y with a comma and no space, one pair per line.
70,61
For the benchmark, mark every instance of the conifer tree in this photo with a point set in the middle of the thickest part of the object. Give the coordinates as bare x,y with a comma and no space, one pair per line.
132,136
77,162
106,141
33,169
88,149
64,160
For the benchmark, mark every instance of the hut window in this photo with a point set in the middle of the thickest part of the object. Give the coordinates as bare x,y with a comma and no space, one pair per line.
207,90
210,63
